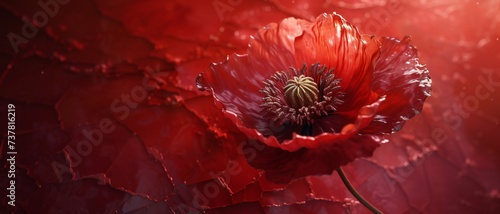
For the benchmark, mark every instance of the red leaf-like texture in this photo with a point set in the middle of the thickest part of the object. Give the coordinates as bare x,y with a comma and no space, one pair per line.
171,149
78,196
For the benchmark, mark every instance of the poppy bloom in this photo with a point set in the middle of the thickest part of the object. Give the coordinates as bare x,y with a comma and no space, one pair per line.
317,94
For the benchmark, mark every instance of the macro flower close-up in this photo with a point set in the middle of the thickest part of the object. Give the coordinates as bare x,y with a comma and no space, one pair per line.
239,106
319,91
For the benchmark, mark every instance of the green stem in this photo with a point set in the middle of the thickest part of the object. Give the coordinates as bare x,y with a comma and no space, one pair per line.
356,194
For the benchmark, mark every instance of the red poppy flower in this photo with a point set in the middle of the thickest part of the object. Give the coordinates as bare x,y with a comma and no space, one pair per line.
317,94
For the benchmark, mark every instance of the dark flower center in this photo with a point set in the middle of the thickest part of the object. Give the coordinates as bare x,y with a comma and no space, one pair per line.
300,96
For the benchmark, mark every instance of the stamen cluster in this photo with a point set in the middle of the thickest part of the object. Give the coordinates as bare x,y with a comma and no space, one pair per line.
300,96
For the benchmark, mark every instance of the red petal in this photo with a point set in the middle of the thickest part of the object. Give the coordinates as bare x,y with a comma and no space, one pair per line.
364,117
273,49
403,81
332,41
283,166
235,86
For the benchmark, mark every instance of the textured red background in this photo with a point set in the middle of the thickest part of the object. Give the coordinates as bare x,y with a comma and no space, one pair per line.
122,72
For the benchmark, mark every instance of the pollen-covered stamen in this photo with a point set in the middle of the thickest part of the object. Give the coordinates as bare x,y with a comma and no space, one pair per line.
301,91
301,95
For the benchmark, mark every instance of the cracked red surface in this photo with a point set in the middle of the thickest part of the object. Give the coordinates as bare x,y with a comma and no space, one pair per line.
174,150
